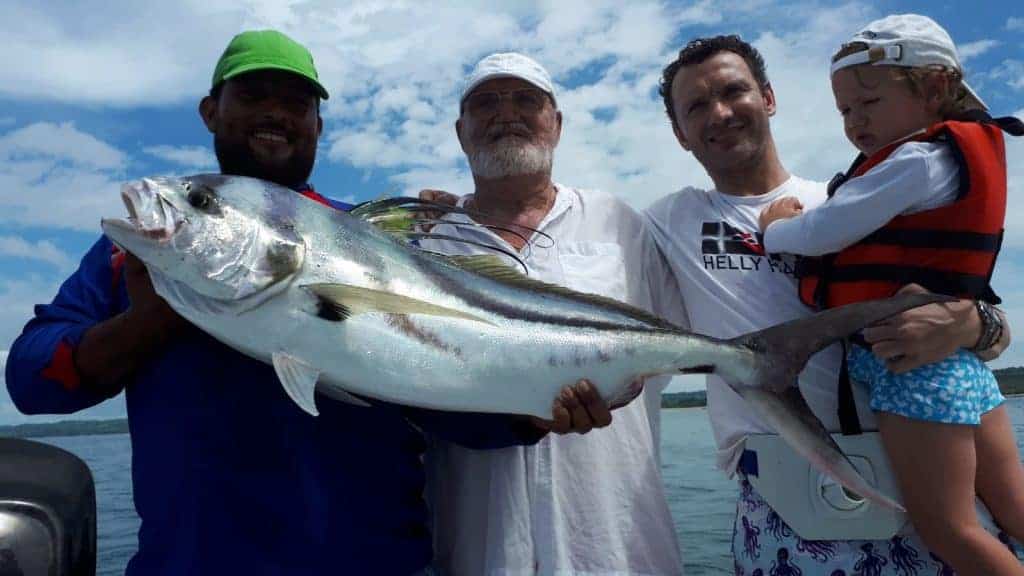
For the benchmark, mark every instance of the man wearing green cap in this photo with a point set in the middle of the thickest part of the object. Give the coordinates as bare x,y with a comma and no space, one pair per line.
230,477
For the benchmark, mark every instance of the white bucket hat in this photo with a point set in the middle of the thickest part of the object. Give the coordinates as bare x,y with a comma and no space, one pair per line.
508,65
908,40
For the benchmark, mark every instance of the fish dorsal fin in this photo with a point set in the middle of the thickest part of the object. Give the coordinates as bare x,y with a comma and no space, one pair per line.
412,218
348,300
495,268
298,378
488,265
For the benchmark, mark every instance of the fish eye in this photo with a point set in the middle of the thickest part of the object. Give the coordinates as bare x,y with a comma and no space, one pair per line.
201,197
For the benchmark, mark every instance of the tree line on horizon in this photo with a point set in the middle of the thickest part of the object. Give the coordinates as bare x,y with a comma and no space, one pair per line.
1011,382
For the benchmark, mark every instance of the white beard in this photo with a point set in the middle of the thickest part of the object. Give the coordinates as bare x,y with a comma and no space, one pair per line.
510,157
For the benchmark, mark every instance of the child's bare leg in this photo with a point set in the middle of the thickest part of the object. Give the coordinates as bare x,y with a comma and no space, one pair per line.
1000,475
935,467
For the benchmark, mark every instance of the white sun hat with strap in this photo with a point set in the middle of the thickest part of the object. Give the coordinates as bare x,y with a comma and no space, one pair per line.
907,40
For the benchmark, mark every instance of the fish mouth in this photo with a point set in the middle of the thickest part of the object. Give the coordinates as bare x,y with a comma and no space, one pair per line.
150,215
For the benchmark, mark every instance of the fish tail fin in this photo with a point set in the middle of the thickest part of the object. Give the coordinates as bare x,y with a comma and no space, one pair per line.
785,348
781,352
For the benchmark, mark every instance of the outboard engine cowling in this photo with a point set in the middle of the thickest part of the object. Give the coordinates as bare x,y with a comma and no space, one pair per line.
47,511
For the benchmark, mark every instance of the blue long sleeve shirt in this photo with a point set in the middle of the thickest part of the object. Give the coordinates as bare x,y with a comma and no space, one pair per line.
229,475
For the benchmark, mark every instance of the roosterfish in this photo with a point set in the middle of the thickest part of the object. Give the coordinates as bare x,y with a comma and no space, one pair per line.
340,306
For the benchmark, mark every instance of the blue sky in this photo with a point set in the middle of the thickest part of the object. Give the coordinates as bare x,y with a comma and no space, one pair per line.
96,93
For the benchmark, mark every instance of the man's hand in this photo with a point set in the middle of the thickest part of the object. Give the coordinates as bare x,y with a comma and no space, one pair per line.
787,207
579,408
438,197
113,349
925,334
146,308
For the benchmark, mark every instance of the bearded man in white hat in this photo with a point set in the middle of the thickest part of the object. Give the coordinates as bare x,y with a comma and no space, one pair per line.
589,503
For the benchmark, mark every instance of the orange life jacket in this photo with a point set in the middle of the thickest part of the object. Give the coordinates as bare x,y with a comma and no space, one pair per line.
950,249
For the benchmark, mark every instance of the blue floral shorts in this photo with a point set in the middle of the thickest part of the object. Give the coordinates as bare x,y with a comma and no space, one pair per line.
957,390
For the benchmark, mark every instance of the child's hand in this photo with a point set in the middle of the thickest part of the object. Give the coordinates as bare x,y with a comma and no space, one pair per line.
782,208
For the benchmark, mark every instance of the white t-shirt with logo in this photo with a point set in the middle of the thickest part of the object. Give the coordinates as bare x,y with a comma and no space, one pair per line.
713,245
589,504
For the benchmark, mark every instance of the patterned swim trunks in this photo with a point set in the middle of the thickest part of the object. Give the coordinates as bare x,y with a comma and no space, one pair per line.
764,545
957,390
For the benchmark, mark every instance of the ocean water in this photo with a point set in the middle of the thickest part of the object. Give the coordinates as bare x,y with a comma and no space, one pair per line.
700,497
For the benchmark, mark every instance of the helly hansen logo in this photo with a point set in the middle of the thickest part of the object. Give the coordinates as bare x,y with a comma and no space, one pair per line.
725,247
721,238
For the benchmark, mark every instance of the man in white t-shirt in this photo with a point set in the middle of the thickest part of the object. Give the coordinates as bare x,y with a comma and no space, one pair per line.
719,101
575,504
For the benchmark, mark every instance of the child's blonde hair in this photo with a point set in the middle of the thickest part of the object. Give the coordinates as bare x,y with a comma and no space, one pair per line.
954,100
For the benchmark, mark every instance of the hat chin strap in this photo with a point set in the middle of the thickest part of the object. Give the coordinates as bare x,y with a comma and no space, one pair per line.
890,54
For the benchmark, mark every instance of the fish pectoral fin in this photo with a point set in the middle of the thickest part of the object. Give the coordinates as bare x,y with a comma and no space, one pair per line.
299,380
345,300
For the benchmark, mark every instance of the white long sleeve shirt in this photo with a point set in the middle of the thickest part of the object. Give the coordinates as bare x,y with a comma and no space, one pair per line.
917,176
589,504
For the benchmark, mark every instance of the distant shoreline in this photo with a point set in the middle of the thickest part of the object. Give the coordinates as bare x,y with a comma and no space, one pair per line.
66,428
1011,381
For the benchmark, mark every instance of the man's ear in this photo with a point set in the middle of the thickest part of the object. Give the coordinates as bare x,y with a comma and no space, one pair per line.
558,127
458,133
680,137
769,98
319,125
208,112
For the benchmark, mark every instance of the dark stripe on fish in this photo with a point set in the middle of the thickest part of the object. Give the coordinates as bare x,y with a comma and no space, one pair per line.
451,285
405,325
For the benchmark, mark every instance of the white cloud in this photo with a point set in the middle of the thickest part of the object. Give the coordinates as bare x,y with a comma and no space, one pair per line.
1014,23
1009,71
703,12
622,51
974,49
1014,236
807,128
43,250
394,70
118,53
64,141
19,296
56,176
196,158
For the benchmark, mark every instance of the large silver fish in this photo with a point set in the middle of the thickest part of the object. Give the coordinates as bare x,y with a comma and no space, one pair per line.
332,301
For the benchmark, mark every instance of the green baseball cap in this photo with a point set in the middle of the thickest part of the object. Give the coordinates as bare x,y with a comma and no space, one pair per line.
266,50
